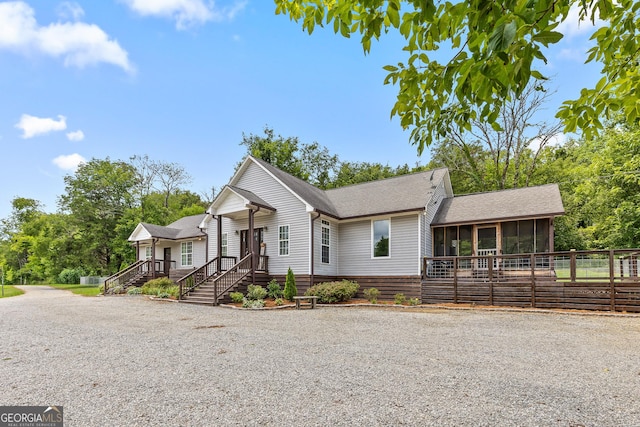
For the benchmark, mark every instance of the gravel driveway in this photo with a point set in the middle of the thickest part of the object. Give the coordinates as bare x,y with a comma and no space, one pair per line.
129,361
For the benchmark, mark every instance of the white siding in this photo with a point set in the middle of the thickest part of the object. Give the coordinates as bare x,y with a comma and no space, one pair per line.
231,203
321,268
198,252
355,249
289,211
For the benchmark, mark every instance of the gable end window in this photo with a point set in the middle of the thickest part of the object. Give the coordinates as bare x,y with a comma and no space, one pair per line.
283,240
326,241
380,237
186,254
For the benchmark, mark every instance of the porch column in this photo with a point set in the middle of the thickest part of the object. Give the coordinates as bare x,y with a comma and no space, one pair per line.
153,258
219,244
251,246
551,243
137,250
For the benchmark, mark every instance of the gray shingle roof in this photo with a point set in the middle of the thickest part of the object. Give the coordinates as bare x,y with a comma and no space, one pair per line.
183,228
529,202
398,194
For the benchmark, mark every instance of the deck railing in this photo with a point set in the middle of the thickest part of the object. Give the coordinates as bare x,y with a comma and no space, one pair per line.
204,273
227,280
601,280
124,277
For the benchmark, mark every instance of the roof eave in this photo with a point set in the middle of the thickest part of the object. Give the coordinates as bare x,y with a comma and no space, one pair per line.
494,220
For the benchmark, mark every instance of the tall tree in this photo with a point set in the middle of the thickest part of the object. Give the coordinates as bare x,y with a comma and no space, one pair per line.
358,172
97,197
276,150
310,162
503,155
497,49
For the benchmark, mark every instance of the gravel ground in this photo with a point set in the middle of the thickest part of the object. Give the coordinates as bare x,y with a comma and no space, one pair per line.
129,361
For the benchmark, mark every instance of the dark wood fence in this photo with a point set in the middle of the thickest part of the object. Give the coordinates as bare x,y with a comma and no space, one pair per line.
588,280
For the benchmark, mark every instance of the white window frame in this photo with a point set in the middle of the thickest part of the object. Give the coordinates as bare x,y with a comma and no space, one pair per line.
373,240
148,252
187,254
224,244
286,240
325,225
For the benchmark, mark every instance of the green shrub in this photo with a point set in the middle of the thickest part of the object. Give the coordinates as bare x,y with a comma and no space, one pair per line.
134,291
247,303
279,301
371,295
236,296
174,291
117,289
331,292
70,276
163,294
290,289
101,287
274,290
414,301
256,292
399,299
162,284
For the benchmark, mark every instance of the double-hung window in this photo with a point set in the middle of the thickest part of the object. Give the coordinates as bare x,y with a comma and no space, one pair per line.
147,252
283,240
326,240
186,252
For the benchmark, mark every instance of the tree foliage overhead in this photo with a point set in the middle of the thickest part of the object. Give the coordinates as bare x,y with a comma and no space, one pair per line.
497,47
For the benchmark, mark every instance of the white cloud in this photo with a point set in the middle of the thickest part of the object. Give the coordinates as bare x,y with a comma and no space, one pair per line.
77,135
577,54
556,140
573,26
70,162
78,43
70,10
32,126
186,13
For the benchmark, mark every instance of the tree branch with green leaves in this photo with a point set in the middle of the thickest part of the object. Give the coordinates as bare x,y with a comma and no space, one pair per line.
500,45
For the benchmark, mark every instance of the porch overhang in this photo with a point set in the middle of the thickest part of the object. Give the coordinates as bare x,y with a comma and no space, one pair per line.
235,203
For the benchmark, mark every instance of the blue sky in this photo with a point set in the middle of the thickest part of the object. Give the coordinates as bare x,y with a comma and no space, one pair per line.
181,80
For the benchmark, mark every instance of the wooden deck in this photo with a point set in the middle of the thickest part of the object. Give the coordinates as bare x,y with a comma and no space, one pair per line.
587,280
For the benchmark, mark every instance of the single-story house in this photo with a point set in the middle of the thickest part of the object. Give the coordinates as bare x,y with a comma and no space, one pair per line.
376,233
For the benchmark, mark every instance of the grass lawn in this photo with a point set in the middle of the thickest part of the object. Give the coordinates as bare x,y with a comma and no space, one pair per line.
86,290
10,291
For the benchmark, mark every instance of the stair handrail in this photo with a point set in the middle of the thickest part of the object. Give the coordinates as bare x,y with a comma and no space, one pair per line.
227,280
124,276
197,277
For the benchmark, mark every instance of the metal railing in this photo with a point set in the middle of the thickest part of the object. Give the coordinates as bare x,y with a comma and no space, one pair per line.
123,278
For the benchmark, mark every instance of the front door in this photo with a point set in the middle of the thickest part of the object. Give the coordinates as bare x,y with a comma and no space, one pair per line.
167,260
244,243
487,245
